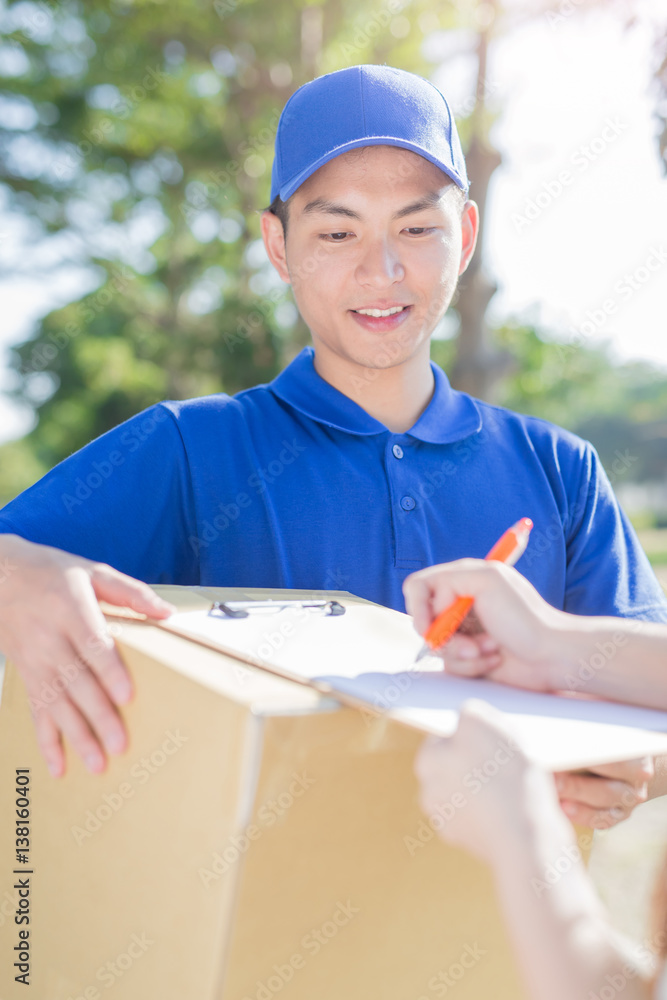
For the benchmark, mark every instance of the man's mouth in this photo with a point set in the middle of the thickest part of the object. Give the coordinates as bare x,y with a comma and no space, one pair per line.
392,311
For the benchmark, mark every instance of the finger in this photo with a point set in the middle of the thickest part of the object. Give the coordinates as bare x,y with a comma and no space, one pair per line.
600,793
462,647
49,743
88,632
428,758
98,711
417,592
483,666
487,644
634,772
49,679
78,734
596,819
126,592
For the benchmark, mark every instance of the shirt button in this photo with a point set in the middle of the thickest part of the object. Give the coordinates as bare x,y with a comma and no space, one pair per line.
407,503
398,451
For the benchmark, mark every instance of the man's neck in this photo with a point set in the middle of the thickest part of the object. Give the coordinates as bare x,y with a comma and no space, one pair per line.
396,397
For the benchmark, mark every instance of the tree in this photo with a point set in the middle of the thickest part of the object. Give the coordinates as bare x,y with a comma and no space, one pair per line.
146,146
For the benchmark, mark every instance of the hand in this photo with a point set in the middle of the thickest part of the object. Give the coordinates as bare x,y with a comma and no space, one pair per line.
604,795
513,635
52,629
478,787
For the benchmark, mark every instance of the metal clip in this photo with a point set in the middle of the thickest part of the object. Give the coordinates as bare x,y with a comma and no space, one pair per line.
242,609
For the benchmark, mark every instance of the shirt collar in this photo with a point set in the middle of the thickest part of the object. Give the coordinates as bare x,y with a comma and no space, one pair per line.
449,417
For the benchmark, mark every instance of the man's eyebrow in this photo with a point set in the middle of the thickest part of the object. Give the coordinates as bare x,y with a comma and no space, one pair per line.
324,206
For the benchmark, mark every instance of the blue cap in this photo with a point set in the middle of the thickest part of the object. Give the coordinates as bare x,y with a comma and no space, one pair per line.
363,106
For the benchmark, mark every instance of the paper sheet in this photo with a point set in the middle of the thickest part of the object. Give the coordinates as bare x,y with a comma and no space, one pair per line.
369,654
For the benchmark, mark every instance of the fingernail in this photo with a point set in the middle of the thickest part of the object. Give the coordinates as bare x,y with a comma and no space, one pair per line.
569,808
467,653
115,742
165,606
94,762
121,690
54,768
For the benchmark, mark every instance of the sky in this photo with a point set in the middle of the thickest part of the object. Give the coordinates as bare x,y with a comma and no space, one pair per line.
577,212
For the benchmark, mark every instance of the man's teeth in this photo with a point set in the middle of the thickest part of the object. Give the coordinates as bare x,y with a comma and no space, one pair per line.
381,312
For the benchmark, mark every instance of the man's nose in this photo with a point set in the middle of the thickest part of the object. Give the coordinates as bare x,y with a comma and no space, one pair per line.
381,264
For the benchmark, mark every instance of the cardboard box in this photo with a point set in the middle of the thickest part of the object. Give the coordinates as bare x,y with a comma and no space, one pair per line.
255,840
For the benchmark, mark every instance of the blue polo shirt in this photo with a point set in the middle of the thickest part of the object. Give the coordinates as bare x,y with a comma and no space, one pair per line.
294,485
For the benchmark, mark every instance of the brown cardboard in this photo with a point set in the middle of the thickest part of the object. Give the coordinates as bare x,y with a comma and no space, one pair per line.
271,813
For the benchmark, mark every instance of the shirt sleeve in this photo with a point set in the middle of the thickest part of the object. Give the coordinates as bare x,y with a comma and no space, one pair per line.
124,499
608,572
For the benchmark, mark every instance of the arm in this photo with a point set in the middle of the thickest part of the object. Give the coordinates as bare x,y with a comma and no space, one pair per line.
563,942
123,500
525,642
522,640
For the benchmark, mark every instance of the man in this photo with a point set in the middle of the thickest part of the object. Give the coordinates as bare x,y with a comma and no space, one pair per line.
356,466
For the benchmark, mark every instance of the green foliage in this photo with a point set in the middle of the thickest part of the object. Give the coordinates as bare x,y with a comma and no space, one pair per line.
150,154
619,408
146,151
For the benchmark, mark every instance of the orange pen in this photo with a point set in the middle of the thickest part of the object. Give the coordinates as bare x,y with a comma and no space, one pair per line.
507,549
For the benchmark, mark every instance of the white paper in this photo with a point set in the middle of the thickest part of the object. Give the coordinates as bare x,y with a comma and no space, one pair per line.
369,653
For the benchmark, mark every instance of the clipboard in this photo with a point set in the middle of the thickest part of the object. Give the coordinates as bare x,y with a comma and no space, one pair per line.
365,657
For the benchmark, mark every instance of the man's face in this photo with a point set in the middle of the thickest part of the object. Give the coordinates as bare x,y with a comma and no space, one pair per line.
375,228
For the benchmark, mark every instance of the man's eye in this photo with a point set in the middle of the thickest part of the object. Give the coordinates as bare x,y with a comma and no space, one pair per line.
336,237
418,230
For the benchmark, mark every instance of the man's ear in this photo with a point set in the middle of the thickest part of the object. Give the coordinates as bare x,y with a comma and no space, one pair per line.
274,241
469,230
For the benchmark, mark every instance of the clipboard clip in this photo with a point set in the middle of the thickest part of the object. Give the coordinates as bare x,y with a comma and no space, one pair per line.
242,609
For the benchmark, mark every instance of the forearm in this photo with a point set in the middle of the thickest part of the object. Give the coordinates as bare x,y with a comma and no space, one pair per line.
657,786
564,945
619,659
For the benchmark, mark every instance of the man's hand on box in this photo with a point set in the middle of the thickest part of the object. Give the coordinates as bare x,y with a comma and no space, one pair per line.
53,630
604,795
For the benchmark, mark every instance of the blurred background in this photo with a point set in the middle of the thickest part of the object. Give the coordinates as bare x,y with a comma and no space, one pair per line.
136,142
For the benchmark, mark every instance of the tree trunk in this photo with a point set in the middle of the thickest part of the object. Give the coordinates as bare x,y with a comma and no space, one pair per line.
478,364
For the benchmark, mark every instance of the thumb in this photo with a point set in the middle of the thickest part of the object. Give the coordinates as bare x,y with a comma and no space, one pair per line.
126,592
